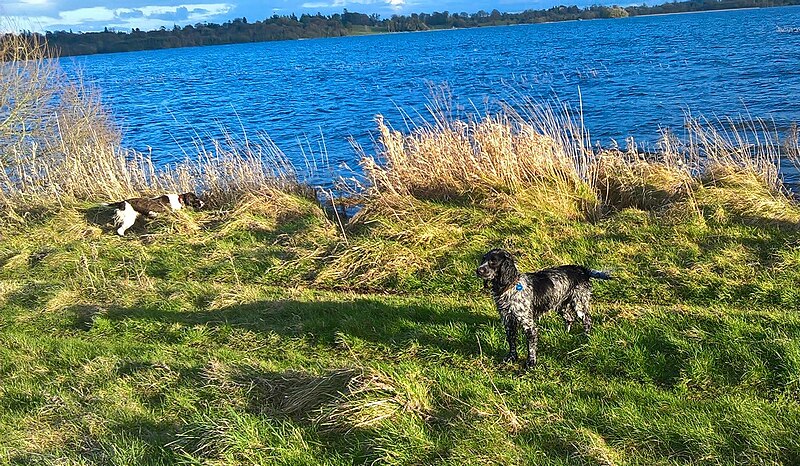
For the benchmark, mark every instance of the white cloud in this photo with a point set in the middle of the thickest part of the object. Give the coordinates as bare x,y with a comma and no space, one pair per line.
393,4
21,5
396,4
83,15
96,18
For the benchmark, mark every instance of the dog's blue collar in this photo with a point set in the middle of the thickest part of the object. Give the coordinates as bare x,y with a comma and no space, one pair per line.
519,286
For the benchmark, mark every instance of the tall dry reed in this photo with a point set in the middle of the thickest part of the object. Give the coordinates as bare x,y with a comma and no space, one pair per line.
59,144
457,158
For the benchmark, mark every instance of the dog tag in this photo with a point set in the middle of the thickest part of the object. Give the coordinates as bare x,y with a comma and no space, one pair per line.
519,286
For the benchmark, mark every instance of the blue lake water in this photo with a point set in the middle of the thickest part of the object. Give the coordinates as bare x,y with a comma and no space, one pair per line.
634,75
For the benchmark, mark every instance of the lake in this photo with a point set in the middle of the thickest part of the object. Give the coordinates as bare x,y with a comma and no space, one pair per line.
635,76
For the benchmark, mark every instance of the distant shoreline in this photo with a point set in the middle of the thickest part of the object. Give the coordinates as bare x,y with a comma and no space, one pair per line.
280,28
717,11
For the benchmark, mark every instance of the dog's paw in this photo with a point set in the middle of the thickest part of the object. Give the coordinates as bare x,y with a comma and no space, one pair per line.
510,358
529,364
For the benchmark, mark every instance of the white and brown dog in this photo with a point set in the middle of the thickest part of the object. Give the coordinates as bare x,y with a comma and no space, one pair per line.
130,209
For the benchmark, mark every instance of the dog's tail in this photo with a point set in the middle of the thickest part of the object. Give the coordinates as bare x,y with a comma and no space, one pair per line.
600,274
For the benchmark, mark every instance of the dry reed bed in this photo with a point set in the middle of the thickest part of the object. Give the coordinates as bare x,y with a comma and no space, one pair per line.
546,157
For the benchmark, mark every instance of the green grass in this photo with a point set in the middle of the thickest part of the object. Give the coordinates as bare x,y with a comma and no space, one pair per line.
261,336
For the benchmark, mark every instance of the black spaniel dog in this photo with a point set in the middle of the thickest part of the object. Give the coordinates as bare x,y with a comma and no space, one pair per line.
522,298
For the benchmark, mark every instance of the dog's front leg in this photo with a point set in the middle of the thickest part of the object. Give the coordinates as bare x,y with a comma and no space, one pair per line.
532,335
511,336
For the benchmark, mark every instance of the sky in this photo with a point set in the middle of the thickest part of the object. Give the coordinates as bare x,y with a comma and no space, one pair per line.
122,15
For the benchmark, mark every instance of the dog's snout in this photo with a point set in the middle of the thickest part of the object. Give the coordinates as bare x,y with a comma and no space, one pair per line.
481,270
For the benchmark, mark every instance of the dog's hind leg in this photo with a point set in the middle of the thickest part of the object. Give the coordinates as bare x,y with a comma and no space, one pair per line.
568,313
581,304
587,322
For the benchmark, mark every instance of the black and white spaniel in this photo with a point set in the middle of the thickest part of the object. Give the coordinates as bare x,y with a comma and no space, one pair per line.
130,209
522,298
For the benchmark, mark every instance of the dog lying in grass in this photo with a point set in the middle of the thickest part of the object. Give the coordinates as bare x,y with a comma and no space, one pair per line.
522,298
130,209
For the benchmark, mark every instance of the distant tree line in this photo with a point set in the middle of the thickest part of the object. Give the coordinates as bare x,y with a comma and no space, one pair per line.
351,23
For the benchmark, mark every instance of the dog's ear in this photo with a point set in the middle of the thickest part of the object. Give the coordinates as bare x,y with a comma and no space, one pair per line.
507,272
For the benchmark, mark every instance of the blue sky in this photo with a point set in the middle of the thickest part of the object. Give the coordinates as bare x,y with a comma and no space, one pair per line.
94,15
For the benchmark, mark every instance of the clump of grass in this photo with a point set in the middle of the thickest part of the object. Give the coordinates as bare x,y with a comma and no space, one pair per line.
396,247
242,438
738,170
373,398
234,167
473,159
726,146
731,192
629,179
337,402
272,208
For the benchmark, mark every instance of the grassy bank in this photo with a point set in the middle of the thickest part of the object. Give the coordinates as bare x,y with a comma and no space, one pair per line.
242,337
268,330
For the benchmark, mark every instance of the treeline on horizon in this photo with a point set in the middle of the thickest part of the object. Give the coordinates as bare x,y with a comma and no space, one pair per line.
240,30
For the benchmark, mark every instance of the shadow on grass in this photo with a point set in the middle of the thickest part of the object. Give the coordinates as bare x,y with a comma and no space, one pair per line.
395,325
82,316
138,439
31,296
668,349
99,215
103,217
